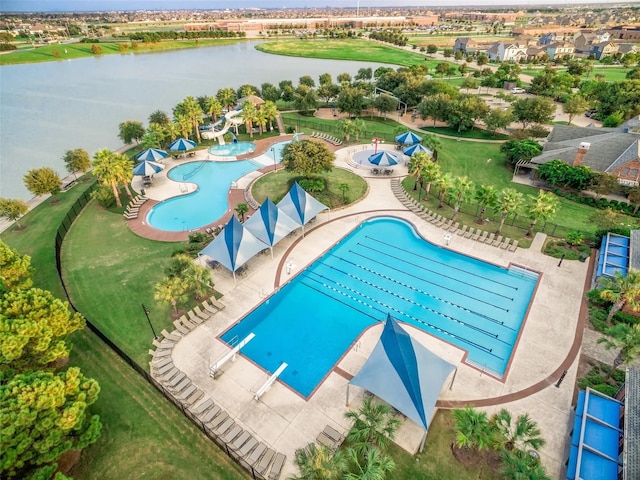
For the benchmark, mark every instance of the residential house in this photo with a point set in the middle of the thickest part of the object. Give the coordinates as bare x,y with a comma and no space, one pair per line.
625,48
547,39
584,40
465,45
625,32
558,50
512,52
536,53
603,49
612,150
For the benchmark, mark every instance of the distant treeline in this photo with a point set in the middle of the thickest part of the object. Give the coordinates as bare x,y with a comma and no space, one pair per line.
173,35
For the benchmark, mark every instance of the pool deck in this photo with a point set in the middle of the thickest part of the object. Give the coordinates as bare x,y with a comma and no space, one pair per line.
549,342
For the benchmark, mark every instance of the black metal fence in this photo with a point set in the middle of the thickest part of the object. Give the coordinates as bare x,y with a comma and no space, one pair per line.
335,131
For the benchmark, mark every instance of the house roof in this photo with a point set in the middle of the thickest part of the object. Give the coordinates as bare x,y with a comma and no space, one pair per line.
608,147
631,467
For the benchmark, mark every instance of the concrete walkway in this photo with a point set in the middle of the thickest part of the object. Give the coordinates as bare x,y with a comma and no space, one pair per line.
287,421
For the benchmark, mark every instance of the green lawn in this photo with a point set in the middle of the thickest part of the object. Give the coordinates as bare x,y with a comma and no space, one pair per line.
110,272
474,133
611,74
352,49
46,53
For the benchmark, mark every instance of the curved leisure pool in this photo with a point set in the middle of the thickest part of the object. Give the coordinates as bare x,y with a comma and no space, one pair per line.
209,202
383,267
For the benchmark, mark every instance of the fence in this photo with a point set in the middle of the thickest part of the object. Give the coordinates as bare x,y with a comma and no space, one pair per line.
61,233
333,130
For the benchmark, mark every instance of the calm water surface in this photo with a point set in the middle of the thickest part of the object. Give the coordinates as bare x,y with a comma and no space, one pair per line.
49,108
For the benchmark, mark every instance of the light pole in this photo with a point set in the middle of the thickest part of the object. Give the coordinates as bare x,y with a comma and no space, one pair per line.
273,152
375,141
146,312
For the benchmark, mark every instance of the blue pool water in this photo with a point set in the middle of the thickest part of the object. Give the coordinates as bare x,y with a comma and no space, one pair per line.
209,202
383,267
232,149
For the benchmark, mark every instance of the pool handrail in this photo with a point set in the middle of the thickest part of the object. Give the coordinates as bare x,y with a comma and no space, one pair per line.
215,367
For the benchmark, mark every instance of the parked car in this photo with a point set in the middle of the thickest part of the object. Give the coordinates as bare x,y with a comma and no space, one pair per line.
518,90
590,113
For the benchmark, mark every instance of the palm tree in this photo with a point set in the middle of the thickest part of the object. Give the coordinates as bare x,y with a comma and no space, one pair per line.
199,280
443,182
270,111
318,463
624,337
249,116
373,424
371,465
542,207
432,143
509,200
347,128
241,209
523,435
171,131
261,118
111,169
190,108
430,173
227,97
183,124
460,192
621,290
417,165
358,127
487,197
519,465
171,290
213,107
472,428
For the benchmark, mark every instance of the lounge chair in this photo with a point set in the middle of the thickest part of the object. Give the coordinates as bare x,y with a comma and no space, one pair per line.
209,415
276,467
174,337
454,227
212,310
469,234
497,241
256,455
200,313
490,238
194,398
480,235
174,381
217,420
180,327
239,441
324,439
224,427
263,464
230,435
513,246
187,323
179,385
333,434
245,449
505,243
193,318
202,407
462,231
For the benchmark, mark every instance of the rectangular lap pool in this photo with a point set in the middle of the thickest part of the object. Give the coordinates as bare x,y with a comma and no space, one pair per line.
382,267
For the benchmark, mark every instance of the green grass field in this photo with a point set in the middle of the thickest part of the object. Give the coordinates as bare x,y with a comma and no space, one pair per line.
611,74
46,53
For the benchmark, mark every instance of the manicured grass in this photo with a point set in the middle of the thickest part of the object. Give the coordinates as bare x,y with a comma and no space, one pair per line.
611,74
81,50
276,185
474,133
36,237
437,462
352,49
110,272
143,434
443,41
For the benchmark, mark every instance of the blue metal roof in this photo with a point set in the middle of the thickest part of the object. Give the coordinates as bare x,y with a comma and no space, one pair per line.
596,436
614,255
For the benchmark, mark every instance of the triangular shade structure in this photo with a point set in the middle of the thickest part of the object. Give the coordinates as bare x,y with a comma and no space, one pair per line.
408,138
233,246
270,224
383,159
299,205
404,373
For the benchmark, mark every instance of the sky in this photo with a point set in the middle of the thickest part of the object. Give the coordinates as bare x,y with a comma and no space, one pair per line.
7,6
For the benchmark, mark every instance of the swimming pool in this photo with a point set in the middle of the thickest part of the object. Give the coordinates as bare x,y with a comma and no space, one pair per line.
382,267
209,202
232,149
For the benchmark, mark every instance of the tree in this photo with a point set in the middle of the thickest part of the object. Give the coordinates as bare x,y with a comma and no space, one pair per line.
472,429
15,269
541,207
307,157
190,108
241,210
465,110
77,160
487,197
373,425
40,181
159,117
509,200
328,91
435,106
44,415
269,92
469,83
13,209
459,192
443,182
417,164
432,143
351,101
112,169
317,462
523,435
270,112
520,465
463,68
604,183
533,110
634,198
304,98
432,48
430,174
227,97
344,79
497,118
130,131
365,74
325,79
307,80
560,174
246,90
625,338
621,290
385,104
517,150
154,136
347,127
34,325
370,465
442,68
575,105
213,107
171,290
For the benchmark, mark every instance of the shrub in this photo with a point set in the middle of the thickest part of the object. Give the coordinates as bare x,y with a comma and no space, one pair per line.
622,317
5,47
313,184
613,203
619,376
198,237
598,318
103,194
605,388
575,238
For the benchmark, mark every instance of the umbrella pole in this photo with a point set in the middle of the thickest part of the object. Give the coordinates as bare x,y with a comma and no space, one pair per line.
271,248
453,379
424,437
347,404
235,282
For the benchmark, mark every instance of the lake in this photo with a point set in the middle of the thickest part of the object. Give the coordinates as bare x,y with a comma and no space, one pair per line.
49,108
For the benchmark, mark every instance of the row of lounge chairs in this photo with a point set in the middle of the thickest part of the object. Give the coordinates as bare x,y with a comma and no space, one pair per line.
381,171
472,233
328,138
330,438
132,210
263,462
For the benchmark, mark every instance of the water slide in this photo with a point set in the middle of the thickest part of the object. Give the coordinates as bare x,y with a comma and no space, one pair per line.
231,118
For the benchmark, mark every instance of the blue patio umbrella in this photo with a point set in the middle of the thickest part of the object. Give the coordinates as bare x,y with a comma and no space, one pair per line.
383,159
408,138
147,167
415,148
153,154
182,145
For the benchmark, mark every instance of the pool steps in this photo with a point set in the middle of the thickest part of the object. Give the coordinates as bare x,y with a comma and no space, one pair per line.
448,224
